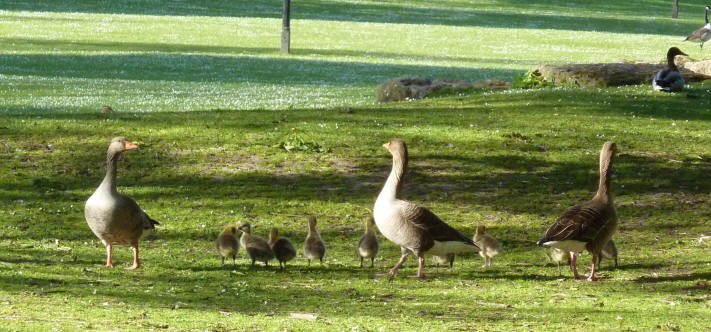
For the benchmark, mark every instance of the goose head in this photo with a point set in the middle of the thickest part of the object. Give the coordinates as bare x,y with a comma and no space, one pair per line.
609,149
119,145
273,235
312,223
232,229
674,51
481,229
370,222
245,228
397,148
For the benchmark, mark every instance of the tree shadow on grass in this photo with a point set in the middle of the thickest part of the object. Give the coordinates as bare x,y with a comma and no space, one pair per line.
224,69
536,15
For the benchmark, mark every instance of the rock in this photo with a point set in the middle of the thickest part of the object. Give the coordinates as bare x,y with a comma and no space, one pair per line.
624,73
406,88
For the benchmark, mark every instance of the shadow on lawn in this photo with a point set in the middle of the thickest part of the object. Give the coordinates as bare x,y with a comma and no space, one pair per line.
537,15
126,47
223,69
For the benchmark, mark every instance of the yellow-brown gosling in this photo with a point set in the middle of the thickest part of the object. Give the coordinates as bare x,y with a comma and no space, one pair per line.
609,251
284,250
559,256
588,226
368,246
413,228
447,259
115,218
488,245
256,247
227,244
314,247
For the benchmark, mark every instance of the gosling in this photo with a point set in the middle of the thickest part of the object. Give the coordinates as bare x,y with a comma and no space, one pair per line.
313,245
283,248
442,260
227,245
368,246
257,248
559,256
488,245
609,251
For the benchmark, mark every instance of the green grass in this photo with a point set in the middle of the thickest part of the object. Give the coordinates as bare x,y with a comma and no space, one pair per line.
206,95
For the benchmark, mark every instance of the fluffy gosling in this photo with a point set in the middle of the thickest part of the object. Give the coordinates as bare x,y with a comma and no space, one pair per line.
314,248
488,245
227,244
368,246
257,248
283,248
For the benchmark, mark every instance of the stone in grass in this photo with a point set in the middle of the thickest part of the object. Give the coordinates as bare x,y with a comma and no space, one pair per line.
407,88
618,74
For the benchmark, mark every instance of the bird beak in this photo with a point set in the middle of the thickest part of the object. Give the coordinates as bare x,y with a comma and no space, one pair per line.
130,146
387,145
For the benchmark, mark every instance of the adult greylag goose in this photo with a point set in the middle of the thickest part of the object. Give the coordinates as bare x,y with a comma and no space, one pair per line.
415,229
227,244
703,34
284,250
115,218
488,245
669,79
368,246
314,247
256,247
588,226
609,251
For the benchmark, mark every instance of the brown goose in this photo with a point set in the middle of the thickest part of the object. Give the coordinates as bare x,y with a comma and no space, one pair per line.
589,225
115,218
488,245
314,248
284,250
256,247
227,244
415,229
368,246
609,251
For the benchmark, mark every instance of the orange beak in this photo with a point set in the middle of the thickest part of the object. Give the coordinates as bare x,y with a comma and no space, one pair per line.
130,146
386,145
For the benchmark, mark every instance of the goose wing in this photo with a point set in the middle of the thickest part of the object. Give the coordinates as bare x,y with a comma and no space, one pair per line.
698,34
580,223
432,226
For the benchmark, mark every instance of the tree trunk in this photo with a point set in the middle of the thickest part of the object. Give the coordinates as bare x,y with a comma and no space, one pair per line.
286,27
675,9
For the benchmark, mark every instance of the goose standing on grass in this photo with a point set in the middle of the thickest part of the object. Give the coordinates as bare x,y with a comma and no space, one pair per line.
669,79
256,247
590,225
609,251
115,218
415,229
489,247
368,246
284,250
227,244
703,34
314,248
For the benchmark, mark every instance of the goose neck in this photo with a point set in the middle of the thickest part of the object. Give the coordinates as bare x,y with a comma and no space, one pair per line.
109,182
603,190
393,185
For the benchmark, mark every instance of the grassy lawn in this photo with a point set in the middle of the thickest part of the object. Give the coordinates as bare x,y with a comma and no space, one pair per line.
203,91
